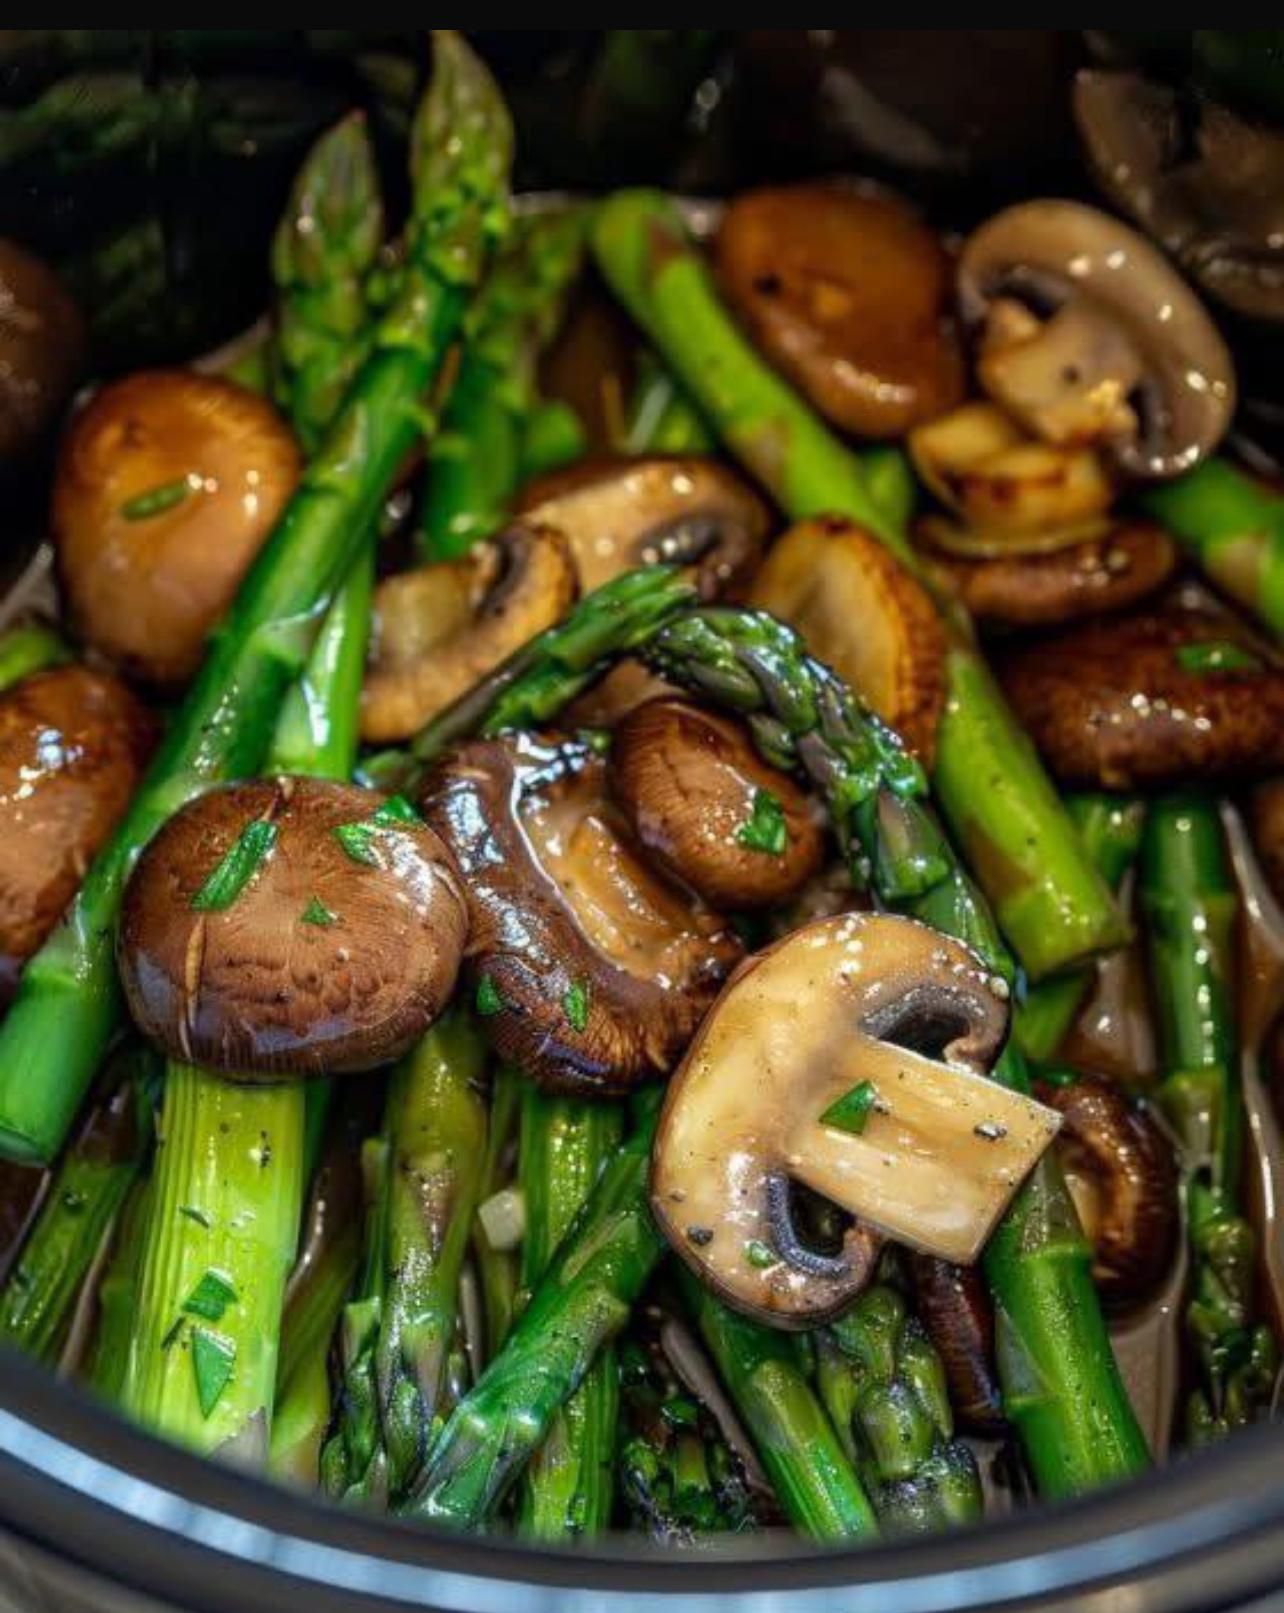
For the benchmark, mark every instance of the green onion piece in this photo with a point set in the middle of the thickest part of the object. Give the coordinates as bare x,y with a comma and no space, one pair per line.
575,1005
211,1296
1217,655
213,1357
357,839
316,912
759,1255
395,810
764,828
489,1002
156,500
238,866
850,1112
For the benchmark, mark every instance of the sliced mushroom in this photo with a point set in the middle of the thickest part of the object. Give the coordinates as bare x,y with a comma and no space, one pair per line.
1206,183
42,349
954,1306
845,1058
73,744
1108,573
1088,334
167,486
1268,833
592,971
442,627
848,293
1156,698
620,513
1123,1179
709,810
290,926
862,613
1014,494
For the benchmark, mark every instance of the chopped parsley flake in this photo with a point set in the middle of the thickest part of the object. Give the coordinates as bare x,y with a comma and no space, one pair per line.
575,1005
764,829
213,1357
238,865
489,1001
851,1112
211,1296
316,912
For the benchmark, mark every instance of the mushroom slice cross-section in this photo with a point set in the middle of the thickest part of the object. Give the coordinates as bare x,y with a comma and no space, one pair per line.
847,1058
592,971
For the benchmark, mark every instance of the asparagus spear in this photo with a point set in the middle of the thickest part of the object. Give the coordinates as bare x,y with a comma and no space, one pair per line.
1110,827
554,437
1232,527
477,460
497,1268
661,418
28,648
88,1189
1051,902
567,1489
117,1293
68,1003
884,1388
1190,902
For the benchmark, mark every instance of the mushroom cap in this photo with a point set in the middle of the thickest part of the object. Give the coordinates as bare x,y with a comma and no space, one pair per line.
1107,573
73,744
848,292
860,996
441,628
1087,324
320,963
707,809
861,613
42,349
1123,1179
146,589
592,970
1132,702
617,514
1268,833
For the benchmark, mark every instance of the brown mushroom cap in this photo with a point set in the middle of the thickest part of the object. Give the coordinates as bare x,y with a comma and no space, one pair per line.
848,293
42,349
441,628
1268,833
1090,578
73,744
1090,334
860,612
1137,701
214,464
620,513
709,810
320,962
954,1306
862,997
592,970
1123,1179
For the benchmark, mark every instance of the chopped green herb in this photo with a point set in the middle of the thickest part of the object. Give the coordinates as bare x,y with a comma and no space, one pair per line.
764,829
194,1213
171,1338
396,809
213,1357
156,500
758,1254
575,1005
211,1296
239,864
489,1001
850,1112
1217,655
316,912
357,839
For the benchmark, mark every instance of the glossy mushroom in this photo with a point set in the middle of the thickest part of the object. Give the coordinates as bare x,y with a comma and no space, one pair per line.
954,1306
1127,564
440,628
706,808
290,926
1267,816
1155,698
848,293
861,612
1088,334
591,970
167,485
846,1058
42,349
73,744
1123,1178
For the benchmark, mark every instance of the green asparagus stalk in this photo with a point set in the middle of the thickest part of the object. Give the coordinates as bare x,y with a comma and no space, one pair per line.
884,1387
812,1474
477,460
580,1304
88,1189
68,1003
117,1296
1190,903
567,1488
29,647
497,1268
554,438
1110,827
1232,527
661,417
1051,902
